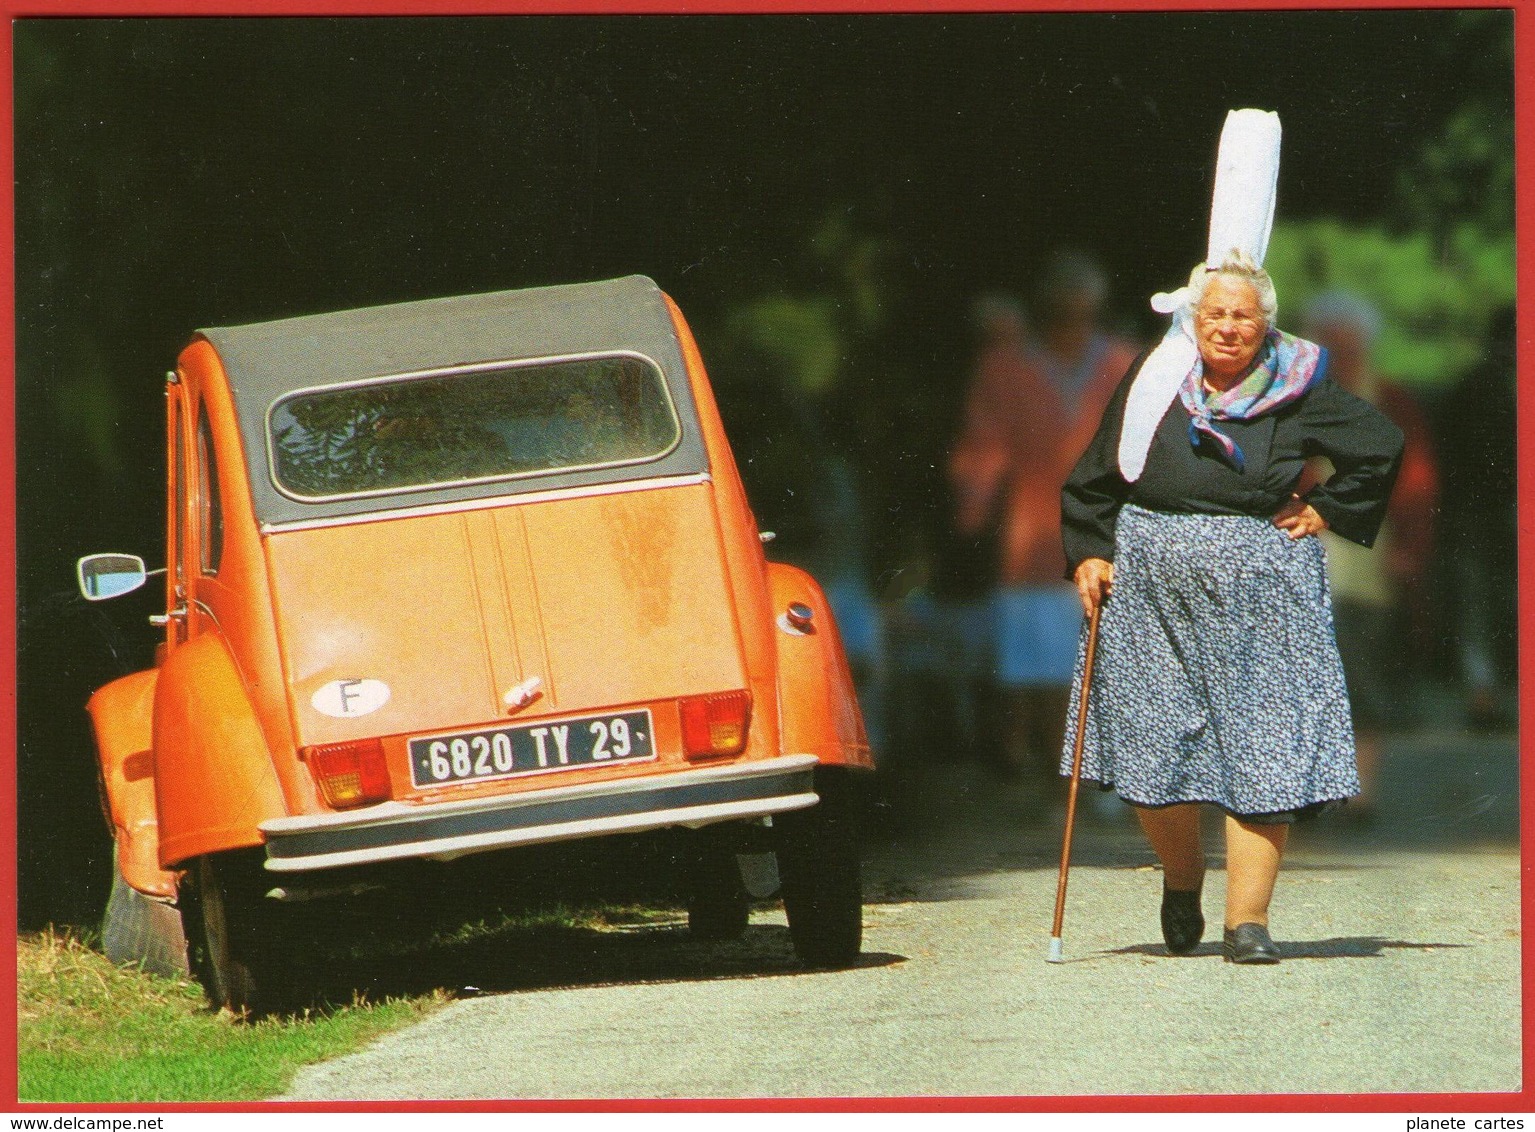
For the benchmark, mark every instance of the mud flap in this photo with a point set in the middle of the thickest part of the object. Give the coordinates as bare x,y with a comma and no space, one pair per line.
142,932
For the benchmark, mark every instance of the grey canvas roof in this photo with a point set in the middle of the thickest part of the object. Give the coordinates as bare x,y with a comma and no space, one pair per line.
264,361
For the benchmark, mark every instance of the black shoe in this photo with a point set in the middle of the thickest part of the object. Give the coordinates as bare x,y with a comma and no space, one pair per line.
1249,943
1183,924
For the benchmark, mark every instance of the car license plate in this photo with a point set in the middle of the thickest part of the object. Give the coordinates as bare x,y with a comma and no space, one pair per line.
502,752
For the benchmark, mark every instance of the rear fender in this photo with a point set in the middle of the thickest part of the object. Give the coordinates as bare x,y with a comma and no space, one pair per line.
815,686
122,716
214,778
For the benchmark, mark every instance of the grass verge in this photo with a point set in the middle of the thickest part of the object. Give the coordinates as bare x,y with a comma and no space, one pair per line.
88,1031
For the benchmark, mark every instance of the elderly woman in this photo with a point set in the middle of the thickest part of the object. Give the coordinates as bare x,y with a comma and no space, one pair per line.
1218,679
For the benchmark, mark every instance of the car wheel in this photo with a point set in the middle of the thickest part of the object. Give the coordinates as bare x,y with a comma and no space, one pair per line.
822,875
234,944
718,904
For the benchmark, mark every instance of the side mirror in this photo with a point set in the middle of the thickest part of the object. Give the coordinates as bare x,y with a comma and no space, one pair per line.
109,575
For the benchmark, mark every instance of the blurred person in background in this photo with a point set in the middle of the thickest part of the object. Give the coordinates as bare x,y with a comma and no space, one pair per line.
940,636
1033,405
1477,429
1381,606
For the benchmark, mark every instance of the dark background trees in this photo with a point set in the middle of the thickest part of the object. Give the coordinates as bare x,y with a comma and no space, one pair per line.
822,195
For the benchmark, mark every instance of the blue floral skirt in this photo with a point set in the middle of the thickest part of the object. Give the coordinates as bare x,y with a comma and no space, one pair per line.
1217,677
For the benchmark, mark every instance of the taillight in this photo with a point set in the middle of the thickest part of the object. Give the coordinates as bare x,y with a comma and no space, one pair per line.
715,725
350,774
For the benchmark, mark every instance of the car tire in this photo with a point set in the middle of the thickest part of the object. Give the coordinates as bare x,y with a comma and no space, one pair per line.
822,874
235,946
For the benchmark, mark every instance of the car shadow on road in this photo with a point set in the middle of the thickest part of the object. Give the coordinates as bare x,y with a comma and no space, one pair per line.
547,958
1337,947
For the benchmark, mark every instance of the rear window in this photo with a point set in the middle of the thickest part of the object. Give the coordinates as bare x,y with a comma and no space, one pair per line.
470,426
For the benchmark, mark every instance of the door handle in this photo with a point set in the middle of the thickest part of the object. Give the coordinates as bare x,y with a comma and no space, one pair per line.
160,620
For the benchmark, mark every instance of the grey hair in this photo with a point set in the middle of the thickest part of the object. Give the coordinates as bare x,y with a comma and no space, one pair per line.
1237,265
1344,308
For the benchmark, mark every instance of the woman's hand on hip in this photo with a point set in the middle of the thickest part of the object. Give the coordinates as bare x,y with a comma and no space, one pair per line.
1299,519
1095,581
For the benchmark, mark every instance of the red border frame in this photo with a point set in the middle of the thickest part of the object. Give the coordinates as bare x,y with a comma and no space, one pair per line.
1524,121
22,9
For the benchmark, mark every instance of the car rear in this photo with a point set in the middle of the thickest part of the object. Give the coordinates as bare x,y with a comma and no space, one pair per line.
540,662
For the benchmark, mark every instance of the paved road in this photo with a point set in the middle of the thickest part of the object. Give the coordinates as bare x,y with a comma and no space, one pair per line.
1403,972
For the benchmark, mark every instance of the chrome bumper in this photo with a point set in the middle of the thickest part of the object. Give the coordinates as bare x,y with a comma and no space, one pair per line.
444,830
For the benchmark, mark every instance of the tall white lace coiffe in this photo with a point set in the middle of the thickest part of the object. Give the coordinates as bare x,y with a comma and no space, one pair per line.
1241,218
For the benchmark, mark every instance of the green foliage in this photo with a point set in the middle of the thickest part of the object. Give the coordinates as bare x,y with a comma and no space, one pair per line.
856,261
814,329
86,404
90,1032
1464,172
798,332
1434,297
1442,259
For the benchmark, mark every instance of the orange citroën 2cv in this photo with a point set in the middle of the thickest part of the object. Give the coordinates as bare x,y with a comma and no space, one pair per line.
459,576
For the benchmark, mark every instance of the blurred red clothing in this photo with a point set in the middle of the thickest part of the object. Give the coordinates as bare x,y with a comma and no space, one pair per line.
1407,543
1021,437
1415,501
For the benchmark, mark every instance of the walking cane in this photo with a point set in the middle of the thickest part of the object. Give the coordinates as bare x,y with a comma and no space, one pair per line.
1076,780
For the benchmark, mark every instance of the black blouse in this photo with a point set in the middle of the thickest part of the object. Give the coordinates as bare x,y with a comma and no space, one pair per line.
1364,446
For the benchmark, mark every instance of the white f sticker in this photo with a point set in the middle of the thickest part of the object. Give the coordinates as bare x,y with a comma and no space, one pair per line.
344,699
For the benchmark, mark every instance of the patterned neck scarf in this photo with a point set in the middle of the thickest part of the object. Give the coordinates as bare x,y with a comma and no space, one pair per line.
1287,367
